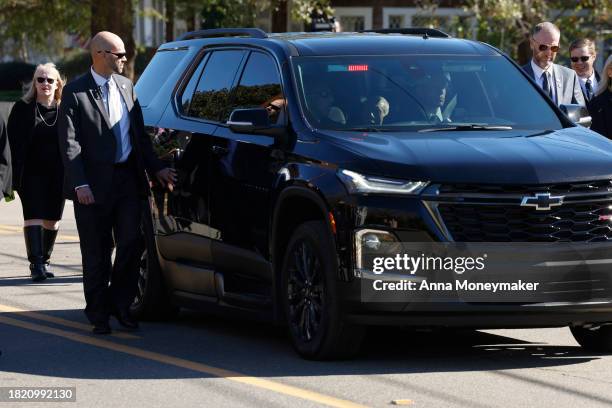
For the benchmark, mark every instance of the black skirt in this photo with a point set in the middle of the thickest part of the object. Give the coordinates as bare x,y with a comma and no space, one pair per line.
43,173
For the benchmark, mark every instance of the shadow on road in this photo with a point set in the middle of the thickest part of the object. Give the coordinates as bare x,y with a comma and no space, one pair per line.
259,349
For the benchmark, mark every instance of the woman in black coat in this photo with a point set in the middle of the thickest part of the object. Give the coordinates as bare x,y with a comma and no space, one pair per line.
600,106
38,171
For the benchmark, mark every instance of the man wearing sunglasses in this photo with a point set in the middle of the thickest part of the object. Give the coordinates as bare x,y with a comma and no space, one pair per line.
107,156
559,83
582,57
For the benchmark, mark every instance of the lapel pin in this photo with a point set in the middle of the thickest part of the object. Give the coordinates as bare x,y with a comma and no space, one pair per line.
123,86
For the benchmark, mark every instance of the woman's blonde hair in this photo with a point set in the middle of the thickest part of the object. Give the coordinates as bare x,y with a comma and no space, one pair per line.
49,66
606,81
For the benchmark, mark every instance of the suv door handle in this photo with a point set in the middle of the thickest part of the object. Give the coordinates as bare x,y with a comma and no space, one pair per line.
220,150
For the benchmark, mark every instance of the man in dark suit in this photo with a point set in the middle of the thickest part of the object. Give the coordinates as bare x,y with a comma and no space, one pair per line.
107,156
582,57
558,82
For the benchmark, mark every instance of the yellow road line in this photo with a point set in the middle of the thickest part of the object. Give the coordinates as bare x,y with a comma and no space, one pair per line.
60,321
8,229
187,364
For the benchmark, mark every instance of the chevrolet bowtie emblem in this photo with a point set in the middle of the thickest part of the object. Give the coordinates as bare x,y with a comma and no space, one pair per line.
542,201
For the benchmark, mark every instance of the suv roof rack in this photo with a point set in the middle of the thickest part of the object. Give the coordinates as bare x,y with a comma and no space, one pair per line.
427,32
224,32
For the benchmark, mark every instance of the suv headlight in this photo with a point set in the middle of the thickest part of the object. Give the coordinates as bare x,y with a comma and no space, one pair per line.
359,183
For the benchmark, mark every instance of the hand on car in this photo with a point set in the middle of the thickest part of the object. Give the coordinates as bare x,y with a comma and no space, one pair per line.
167,177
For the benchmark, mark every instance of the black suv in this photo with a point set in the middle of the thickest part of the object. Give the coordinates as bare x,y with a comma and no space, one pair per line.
295,150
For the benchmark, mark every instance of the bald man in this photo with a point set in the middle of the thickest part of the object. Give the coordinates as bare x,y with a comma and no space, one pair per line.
559,83
107,156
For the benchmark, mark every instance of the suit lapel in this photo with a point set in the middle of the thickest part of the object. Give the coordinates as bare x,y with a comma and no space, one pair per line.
95,93
529,70
126,97
559,84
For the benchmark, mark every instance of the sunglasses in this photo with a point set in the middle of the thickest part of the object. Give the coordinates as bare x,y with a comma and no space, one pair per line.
119,55
584,58
42,80
544,47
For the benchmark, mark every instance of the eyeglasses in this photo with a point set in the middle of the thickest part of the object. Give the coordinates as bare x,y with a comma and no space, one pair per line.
42,80
119,55
584,58
544,47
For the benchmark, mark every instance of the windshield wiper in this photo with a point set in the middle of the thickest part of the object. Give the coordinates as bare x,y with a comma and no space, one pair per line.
363,129
460,128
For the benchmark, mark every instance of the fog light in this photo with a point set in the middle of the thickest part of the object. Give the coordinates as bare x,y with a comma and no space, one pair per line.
371,241
368,241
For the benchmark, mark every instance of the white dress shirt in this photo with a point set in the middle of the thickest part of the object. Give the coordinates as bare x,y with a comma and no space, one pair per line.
594,83
538,75
118,112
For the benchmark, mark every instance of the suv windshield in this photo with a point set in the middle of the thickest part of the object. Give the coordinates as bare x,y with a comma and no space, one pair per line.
418,92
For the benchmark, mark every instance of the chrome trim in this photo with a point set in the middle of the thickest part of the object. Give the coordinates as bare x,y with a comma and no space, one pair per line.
230,123
432,209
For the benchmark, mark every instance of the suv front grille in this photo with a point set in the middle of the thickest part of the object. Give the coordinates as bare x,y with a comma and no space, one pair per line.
476,213
588,187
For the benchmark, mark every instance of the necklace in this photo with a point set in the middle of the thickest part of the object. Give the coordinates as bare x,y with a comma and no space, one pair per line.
43,119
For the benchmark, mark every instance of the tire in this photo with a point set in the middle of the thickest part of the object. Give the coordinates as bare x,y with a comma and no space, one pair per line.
309,296
598,340
152,301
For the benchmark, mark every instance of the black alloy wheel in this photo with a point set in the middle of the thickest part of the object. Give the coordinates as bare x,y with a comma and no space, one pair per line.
316,325
305,291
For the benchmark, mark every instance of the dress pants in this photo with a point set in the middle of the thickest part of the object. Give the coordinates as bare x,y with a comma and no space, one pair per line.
118,216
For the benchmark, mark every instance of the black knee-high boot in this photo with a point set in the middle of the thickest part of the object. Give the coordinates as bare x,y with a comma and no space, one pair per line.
48,242
34,248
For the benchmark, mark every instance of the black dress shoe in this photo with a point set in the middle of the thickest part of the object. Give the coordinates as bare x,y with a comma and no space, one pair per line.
126,320
102,328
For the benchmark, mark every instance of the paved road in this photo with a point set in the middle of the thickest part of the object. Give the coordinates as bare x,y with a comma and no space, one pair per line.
198,360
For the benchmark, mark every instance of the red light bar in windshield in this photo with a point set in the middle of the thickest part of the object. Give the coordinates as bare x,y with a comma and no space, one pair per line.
357,68
349,68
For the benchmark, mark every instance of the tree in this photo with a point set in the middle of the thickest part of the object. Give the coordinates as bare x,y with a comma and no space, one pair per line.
306,10
40,24
116,16
507,23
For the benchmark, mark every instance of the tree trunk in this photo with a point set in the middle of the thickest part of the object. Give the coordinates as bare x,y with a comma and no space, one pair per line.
191,18
279,16
170,9
116,16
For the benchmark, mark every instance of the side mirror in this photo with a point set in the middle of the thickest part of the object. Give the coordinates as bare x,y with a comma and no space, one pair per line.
254,120
248,120
577,114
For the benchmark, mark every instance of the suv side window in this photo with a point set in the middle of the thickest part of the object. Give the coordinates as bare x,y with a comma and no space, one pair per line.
260,86
212,92
190,87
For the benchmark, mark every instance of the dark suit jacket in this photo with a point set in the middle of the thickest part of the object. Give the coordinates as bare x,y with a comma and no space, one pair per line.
87,143
20,124
5,161
566,83
600,108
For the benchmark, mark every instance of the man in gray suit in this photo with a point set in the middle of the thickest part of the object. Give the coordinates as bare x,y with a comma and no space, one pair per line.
558,82
107,156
